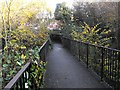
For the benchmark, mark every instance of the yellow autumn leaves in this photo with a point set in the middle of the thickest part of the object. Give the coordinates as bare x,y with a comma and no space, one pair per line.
23,56
93,35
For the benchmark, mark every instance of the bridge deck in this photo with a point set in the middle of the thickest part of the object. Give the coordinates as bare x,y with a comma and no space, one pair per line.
63,71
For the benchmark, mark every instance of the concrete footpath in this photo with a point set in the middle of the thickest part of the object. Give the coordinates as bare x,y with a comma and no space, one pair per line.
64,71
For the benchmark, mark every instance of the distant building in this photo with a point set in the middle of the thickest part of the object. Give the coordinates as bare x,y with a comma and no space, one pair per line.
54,25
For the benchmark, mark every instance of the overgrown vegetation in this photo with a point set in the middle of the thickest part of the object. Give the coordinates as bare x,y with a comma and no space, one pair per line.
86,16
22,30
93,35
37,69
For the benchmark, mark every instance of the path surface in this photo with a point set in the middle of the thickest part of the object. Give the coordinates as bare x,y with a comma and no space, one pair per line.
63,71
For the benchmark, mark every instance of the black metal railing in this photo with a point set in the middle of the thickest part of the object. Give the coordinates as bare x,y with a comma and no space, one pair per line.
21,79
44,49
105,62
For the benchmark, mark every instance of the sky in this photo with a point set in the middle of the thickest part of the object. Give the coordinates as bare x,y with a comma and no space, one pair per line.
52,3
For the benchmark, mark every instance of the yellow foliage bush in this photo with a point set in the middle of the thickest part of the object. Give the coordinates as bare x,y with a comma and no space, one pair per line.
93,35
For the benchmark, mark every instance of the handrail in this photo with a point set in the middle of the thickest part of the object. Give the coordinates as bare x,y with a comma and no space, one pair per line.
17,76
105,62
94,45
21,78
44,50
43,45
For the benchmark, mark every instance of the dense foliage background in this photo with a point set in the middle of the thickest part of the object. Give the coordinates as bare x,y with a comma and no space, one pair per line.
22,30
93,22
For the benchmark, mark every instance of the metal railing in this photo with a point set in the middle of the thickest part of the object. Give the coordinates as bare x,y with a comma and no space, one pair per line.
44,50
21,79
105,62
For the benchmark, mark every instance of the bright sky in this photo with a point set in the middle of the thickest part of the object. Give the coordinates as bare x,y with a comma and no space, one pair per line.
52,3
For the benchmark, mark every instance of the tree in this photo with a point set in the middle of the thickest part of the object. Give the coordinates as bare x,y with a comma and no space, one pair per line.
64,15
19,14
17,19
98,12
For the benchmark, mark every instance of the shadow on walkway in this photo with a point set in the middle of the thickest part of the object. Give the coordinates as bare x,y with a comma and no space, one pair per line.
63,71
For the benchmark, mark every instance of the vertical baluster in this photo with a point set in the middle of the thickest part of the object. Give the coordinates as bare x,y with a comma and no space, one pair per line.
116,68
20,82
70,45
75,49
112,68
23,80
105,64
42,55
79,50
82,59
87,55
102,63
17,85
109,64
118,83
99,62
45,51
92,62
28,74
95,59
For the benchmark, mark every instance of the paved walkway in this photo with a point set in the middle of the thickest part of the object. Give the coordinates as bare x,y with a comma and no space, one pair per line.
63,71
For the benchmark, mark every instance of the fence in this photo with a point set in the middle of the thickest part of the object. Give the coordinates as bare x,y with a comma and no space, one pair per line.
105,62
21,79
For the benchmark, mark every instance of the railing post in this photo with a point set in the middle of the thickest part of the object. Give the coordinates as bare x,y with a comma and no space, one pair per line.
17,86
79,50
118,82
87,55
44,52
23,81
102,64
